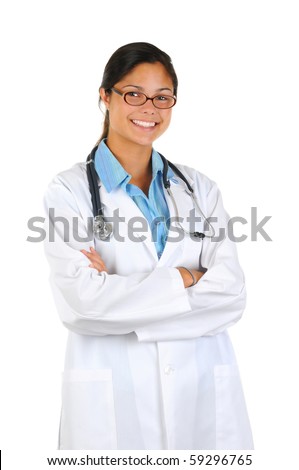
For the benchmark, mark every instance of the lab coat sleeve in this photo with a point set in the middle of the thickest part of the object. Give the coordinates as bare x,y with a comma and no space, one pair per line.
95,303
218,299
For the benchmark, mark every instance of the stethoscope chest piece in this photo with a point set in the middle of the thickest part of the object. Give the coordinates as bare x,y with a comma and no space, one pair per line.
101,228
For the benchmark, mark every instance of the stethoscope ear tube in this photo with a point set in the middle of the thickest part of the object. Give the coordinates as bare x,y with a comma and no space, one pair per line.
93,184
180,174
166,165
166,182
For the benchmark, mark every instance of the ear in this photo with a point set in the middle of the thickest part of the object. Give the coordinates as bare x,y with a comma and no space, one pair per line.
105,97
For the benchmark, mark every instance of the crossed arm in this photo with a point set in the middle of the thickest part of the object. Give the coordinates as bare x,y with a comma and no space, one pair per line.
83,295
97,263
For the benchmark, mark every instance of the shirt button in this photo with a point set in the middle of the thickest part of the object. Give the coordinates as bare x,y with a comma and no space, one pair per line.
169,369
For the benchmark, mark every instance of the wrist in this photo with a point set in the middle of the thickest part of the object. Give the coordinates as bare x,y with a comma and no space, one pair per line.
187,275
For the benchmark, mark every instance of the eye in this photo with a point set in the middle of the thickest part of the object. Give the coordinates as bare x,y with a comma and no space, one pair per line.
163,98
133,94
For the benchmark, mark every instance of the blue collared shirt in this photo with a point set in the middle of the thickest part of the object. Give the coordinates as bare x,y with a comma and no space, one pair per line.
154,207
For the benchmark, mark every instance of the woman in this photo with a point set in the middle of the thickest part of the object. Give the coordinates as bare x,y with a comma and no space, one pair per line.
149,364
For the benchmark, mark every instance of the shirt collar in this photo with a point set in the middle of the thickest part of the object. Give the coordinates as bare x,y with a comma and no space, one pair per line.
108,168
111,172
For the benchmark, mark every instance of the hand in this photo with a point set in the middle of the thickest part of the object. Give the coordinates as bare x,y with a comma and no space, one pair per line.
187,278
96,261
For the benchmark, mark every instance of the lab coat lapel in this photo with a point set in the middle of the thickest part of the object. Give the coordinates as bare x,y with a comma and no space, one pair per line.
175,240
118,203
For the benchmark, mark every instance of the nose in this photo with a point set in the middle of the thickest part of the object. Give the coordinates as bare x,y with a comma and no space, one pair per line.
148,107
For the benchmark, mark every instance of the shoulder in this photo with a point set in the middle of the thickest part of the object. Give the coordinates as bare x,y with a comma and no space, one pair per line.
69,187
72,181
200,181
71,177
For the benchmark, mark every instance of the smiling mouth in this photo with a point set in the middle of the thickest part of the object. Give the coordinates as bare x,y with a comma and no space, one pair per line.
146,124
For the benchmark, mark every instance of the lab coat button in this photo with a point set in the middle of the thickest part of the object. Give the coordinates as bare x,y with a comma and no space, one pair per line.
169,369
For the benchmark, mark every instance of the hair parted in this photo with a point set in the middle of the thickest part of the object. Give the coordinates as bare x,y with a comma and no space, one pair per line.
124,59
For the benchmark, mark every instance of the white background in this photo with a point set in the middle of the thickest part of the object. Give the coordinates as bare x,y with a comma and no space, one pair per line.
236,121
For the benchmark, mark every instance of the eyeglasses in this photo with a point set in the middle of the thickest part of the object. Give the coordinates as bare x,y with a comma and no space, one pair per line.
136,98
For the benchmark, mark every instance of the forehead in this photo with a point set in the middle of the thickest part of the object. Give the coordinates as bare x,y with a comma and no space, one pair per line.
147,75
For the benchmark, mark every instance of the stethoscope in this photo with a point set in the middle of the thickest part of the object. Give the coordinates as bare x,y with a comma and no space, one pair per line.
103,230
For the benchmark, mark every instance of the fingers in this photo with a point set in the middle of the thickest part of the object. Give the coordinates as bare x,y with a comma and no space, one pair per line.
95,259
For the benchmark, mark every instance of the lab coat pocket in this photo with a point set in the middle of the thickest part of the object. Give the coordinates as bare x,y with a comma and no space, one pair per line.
87,416
232,424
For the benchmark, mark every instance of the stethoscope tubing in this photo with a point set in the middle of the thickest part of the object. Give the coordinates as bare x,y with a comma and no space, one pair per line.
99,220
93,184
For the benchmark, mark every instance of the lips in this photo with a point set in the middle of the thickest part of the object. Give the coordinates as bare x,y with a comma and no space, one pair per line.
144,124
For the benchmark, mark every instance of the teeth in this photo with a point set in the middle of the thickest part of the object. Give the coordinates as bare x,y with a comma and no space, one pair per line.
144,123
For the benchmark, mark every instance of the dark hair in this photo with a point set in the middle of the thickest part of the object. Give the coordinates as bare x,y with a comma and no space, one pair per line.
124,59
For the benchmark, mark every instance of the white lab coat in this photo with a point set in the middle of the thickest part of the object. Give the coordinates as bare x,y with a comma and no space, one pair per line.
149,364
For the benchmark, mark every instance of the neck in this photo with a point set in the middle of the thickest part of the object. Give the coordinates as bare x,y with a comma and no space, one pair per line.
135,159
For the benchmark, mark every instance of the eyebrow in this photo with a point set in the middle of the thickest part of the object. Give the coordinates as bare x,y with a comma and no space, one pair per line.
141,88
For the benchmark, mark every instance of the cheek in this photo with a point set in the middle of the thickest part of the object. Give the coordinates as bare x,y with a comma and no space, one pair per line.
166,120
116,118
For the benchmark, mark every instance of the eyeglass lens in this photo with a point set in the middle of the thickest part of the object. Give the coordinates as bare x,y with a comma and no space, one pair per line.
136,98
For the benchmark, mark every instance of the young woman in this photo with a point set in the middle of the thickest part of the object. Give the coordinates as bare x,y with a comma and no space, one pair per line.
147,299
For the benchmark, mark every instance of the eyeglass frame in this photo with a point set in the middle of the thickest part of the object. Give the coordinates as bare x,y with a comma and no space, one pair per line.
123,95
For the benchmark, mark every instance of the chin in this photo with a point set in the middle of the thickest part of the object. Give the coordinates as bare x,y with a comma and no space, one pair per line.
148,139
144,142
